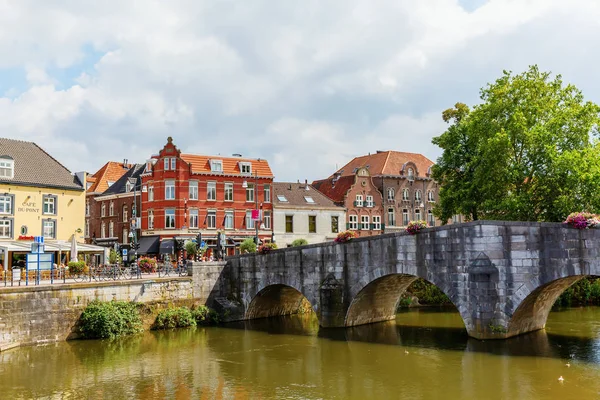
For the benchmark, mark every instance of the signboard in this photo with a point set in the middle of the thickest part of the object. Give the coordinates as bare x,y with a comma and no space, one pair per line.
124,252
256,215
41,261
38,239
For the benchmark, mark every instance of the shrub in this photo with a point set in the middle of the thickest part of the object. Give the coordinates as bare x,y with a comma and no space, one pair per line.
205,316
114,257
427,293
248,246
76,267
415,226
110,319
345,236
267,248
191,248
583,220
178,317
147,265
299,242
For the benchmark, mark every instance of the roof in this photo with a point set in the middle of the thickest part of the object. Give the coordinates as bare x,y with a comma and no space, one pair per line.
34,167
335,189
201,164
110,172
386,163
296,193
121,184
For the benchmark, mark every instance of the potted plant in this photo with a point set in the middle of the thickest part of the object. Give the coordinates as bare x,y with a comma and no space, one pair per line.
583,220
415,227
76,267
345,236
267,248
191,249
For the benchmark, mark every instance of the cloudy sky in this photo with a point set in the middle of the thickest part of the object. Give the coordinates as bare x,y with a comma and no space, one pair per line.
306,84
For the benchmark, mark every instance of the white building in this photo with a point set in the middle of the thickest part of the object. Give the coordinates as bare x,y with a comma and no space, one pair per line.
302,212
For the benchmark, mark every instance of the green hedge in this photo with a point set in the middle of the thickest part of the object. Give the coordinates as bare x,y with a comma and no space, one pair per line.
177,317
299,242
584,292
110,320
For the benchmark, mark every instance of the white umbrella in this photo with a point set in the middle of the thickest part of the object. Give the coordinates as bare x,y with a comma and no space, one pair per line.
73,249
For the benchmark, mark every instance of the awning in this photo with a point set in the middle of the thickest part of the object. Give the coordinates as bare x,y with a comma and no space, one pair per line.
49,246
167,246
149,245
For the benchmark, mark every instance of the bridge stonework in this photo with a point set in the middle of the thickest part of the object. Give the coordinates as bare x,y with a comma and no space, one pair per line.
503,277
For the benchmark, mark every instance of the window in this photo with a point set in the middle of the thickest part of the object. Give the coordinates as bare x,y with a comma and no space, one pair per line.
103,212
110,183
309,199
405,194
6,204
250,193
211,219
249,220
430,196
87,207
111,209
169,190
245,168
111,229
173,164
456,219
88,185
430,218
390,194
405,217
228,191
289,224
418,195
128,186
364,222
7,168
411,174
282,198
150,219
335,226
216,166
359,200
87,229
211,191
228,220
49,228
103,230
194,218
169,218
353,222
150,193
312,224
391,217
125,214
49,205
124,238
267,220
417,214
267,189
193,190
377,222
369,201
6,228
167,163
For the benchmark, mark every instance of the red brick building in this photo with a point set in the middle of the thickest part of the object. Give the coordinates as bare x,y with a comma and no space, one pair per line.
187,194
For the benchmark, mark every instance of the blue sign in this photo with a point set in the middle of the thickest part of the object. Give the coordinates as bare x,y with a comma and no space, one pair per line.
202,243
124,252
38,239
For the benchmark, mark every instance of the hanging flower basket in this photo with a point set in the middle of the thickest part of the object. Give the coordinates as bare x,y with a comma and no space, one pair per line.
345,236
583,220
415,227
267,248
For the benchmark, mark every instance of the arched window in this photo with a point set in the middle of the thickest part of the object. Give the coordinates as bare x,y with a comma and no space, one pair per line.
103,212
411,174
125,216
390,194
405,217
430,196
405,194
418,195
103,231
391,217
111,209
430,218
111,229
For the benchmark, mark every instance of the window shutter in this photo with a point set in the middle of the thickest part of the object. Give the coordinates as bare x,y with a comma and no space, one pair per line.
383,227
347,225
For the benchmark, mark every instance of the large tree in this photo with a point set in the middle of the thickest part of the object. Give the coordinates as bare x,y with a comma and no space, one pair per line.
528,152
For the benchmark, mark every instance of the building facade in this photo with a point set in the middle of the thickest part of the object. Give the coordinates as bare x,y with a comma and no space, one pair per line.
302,212
184,195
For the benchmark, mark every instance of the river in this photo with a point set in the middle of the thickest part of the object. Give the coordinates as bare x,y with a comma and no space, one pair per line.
424,354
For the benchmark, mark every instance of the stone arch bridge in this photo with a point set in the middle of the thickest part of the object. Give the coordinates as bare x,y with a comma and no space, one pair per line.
503,277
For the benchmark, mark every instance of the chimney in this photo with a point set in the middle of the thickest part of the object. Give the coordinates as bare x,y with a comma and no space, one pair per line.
306,184
236,155
125,166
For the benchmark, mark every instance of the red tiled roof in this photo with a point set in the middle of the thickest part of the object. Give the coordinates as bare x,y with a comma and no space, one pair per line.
201,164
337,190
111,171
387,163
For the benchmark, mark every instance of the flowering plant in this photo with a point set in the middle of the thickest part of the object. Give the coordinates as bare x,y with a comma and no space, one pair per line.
147,265
266,248
415,226
583,220
345,236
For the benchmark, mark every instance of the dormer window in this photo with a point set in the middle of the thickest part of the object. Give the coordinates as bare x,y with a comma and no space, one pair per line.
282,198
309,199
216,165
411,174
7,168
128,186
110,183
246,168
89,185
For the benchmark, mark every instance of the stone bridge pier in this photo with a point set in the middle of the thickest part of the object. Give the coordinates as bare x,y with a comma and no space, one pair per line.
503,277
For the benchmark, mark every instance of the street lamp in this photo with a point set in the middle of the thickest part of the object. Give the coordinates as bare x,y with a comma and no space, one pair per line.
256,222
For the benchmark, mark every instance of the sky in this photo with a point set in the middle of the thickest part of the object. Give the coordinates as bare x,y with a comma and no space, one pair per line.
307,85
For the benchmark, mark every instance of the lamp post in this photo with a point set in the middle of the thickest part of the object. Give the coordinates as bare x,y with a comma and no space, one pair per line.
245,185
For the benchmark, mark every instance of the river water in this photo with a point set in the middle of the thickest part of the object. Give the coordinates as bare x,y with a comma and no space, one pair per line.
424,354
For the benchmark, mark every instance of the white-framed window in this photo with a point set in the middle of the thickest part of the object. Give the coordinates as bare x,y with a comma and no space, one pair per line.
289,224
391,217
150,192
312,224
376,222
103,230
128,186
167,164
228,220
405,217
456,219
125,237
353,222
110,183
430,196
246,168
103,210
369,201
211,191
150,219
169,218
125,214
49,205
250,193
359,200
364,222
228,191
7,168
49,228
405,194
111,209
390,194
418,195
111,229
87,208
193,190
309,199
411,174
173,163
249,220
267,220
216,165
211,219
169,190
87,228
194,218
6,228
282,198
335,224
430,218
267,189
418,214
6,204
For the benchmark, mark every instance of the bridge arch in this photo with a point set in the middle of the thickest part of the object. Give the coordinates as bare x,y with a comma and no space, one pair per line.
277,300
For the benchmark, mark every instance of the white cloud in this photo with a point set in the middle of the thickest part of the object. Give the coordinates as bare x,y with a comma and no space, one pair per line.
307,85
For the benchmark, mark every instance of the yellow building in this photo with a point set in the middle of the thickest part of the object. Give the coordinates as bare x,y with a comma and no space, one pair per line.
38,197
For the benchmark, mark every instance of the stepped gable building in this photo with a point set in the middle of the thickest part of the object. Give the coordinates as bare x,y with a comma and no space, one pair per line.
383,191
302,212
187,194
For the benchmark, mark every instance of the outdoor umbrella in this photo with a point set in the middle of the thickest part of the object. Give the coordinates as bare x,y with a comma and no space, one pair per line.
73,249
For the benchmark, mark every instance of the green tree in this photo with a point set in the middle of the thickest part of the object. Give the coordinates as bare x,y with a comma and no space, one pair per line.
299,242
248,246
529,151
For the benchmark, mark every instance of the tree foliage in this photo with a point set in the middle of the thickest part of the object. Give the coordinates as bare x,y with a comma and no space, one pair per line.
248,246
528,152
